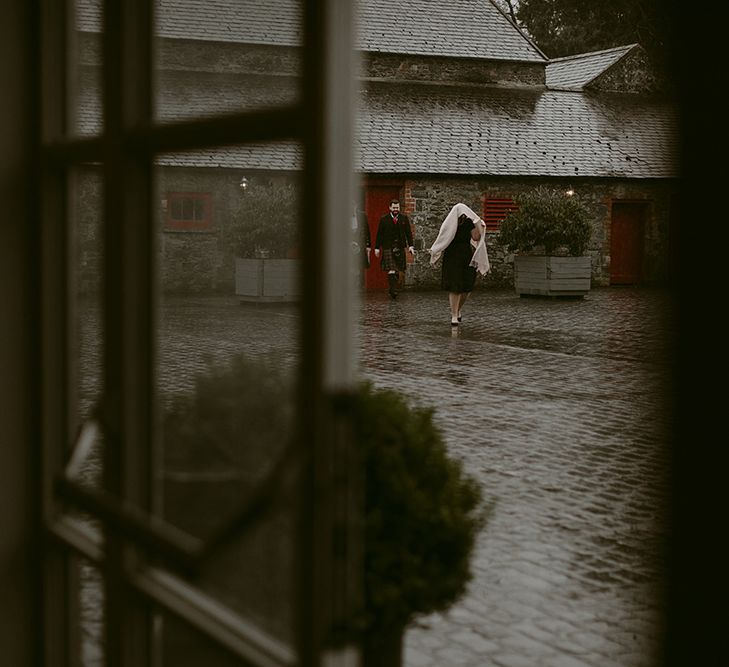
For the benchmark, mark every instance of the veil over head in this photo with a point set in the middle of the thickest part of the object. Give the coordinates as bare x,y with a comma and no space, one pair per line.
480,259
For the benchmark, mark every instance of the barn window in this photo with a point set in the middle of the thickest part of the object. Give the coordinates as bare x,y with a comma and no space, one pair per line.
495,210
189,210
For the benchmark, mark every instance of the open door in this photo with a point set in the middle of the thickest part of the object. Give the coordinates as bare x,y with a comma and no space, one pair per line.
377,203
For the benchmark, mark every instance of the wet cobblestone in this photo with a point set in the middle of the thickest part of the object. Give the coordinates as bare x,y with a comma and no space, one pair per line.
557,407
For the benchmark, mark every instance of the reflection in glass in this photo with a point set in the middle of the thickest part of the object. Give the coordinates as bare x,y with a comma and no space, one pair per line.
181,645
228,357
86,259
91,613
85,463
227,57
85,69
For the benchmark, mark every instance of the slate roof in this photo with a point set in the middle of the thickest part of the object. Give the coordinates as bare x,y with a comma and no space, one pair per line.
456,28
273,156
486,132
492,131
444,129
576,72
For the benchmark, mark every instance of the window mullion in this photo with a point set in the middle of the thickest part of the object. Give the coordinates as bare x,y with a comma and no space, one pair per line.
328,576
128,308
60,608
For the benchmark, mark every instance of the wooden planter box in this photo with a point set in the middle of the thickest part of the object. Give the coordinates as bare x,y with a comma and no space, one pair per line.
267,280
548,275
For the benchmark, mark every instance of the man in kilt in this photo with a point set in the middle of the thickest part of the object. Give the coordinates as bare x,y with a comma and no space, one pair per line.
393,238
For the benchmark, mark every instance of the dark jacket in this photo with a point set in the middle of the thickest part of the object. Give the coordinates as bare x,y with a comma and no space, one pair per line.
362,236
390,235
363,228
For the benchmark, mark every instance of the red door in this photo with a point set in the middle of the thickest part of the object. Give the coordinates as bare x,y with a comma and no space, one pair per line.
377,203
627,230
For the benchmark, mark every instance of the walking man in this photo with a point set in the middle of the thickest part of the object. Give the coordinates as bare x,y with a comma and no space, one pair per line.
393,238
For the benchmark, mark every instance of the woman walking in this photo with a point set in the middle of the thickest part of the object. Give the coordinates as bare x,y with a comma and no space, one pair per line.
461,242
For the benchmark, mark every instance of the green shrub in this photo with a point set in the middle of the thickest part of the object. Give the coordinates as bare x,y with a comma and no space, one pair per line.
210,427
549,218
422,512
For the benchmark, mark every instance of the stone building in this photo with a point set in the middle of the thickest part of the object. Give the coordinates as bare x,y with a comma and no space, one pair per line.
455,104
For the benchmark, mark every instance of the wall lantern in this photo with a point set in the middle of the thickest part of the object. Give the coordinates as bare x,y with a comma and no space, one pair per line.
569,192
243,185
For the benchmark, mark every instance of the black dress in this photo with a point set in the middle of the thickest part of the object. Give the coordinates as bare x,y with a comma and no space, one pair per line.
457,276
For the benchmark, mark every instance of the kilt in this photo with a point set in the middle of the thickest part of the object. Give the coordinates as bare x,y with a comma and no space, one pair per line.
392,261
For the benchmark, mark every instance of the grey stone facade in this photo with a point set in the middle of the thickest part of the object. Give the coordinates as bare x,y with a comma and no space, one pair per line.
450,119
201,261
198,261
398,67
428,200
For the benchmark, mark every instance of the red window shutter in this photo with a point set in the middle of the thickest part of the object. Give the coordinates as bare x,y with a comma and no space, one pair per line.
495,210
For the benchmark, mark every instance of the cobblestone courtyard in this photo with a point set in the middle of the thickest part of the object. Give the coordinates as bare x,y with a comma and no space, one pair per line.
558,408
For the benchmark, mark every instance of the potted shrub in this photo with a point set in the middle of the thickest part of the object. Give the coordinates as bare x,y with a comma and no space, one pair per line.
422,516
221,442
422,512
264,236
549,232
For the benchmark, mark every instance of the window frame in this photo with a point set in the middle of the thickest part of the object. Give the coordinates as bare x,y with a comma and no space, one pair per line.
124,549
207,222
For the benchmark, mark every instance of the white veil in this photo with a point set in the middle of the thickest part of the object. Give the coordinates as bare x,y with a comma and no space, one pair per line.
480,258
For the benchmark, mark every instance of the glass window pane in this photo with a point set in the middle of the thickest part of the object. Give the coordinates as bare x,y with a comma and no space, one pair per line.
88,602
85,462
199,205
228,350
226,57
187,209
86,317
177,208
182,645
85,71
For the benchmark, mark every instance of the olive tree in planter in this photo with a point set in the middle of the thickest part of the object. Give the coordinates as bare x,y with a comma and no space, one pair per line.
263,233
422,512
549,232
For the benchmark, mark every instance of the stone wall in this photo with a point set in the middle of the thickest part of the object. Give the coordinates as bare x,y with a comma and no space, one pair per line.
202,261
194,261
230,58
448,70
428,200
209,56
189,261
86,231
